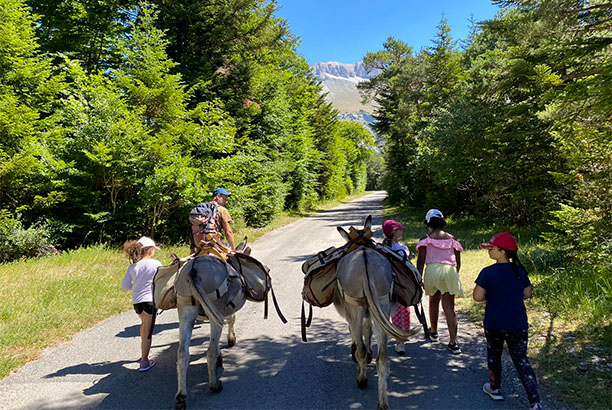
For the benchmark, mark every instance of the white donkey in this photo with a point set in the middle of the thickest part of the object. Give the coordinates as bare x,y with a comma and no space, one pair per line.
215,285
210,282
363,297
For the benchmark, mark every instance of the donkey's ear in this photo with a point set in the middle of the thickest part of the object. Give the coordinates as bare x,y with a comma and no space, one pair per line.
367,226
242,245
344,234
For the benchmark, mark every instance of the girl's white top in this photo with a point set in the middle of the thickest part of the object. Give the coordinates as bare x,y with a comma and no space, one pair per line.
139,279
399,248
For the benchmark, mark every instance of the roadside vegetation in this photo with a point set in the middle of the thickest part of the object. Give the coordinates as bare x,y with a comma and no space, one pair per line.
117,117
46,300
570,315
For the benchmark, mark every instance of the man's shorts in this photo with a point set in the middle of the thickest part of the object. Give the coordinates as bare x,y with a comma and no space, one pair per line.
146,307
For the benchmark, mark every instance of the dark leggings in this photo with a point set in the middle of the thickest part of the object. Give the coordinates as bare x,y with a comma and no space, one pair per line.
517,346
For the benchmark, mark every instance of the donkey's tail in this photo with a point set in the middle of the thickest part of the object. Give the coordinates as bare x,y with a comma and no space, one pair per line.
204,300
377,312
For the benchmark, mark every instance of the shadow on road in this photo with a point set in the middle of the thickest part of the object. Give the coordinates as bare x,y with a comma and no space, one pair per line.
287,373
134,331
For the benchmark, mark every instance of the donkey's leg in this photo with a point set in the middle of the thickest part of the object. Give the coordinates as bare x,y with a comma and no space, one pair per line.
354,316
212,355
231,334
382,365
367,336
187,316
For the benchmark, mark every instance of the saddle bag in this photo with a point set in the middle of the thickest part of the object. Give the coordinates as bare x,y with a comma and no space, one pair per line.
320,276
256,280
407,288
164,294
319,285
254,275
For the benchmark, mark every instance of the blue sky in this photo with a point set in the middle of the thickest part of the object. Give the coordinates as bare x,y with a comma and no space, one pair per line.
344,30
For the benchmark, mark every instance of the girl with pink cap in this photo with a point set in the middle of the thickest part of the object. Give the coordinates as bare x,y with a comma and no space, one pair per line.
401,318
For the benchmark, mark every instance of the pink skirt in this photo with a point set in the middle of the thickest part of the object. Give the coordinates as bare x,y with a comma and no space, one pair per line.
401,317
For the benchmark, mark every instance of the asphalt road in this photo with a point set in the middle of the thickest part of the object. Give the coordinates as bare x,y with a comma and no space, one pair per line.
270,367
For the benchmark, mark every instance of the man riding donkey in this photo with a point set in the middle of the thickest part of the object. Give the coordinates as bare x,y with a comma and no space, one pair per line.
207,219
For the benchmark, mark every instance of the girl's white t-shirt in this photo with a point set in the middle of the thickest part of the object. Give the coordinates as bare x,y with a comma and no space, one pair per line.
399,248
139,279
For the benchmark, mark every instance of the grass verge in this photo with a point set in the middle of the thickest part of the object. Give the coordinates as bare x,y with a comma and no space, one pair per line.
47,300
570,333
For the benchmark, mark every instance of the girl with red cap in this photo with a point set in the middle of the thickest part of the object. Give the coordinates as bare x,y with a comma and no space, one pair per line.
504,285
401,318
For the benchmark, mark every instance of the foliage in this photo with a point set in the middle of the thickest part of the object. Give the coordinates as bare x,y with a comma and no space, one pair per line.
375,166
514,126
117,116
17,242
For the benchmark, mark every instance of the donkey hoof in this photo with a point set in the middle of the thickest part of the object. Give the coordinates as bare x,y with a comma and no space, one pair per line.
181,402
383,407
231,342
216,389
362,384
220,361
353,350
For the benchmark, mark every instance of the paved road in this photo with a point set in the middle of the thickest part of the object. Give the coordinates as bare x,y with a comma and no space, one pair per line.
270,367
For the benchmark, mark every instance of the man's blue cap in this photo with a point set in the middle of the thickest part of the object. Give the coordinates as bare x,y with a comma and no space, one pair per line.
221,191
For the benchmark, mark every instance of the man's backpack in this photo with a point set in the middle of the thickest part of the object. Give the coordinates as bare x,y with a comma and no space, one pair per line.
203,220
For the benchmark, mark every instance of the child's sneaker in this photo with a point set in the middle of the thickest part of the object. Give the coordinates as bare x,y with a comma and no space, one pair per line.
454,348
494,394
144,366
399,348
433,336
536,406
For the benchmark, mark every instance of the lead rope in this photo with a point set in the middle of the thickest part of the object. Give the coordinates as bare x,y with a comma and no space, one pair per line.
421,316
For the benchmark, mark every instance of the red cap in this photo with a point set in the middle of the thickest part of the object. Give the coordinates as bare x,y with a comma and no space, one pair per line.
391,225
502,240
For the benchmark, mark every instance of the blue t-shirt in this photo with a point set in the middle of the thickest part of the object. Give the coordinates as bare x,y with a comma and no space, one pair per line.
505,304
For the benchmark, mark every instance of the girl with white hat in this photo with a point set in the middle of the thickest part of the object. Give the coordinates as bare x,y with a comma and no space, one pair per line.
139,279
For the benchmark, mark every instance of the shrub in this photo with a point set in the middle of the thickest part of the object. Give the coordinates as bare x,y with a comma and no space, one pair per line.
17,242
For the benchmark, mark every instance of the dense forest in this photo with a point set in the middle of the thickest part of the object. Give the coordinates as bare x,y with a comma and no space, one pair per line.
117,116
511,126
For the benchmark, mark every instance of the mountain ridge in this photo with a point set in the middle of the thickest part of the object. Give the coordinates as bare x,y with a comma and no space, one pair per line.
339,81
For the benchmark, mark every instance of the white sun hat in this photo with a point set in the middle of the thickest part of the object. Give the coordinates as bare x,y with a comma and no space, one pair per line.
147,242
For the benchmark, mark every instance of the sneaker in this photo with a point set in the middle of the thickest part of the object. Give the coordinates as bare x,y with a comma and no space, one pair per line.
399,348
146,365
454,348
536,406
433,336
494,394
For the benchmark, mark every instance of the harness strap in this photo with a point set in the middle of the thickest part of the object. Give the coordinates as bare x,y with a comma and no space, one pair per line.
185,300
421,316
351,300
303,323
278,311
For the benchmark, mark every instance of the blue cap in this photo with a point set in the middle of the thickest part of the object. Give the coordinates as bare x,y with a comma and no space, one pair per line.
221,191
433,213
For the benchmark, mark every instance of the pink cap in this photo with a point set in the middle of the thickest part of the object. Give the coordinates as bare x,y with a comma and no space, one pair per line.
502,240
391,225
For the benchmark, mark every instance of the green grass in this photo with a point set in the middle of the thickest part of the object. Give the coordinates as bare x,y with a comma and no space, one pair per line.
47,300
570,331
